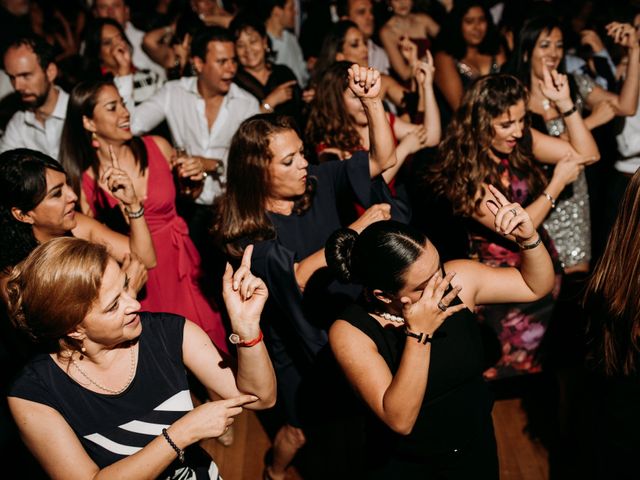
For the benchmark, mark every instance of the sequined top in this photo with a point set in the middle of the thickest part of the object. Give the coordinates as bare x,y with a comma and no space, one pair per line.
569,224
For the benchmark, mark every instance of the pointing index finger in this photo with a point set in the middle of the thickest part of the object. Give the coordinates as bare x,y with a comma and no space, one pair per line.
500,198
246,257
114,159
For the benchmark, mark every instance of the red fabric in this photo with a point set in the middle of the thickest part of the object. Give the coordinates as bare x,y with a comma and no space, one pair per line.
172,286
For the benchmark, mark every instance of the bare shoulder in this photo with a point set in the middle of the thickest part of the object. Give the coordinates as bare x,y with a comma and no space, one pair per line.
343,336
164,146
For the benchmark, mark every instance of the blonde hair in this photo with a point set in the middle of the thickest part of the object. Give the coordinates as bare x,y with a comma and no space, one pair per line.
52,290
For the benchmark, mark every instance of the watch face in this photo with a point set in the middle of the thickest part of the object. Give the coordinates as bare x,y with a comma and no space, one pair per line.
234,338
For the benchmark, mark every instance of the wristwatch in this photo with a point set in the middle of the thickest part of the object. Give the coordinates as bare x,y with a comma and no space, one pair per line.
267,107
219,171
235,339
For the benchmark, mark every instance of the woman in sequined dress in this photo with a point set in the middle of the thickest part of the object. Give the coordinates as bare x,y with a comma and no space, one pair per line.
489,142
541,45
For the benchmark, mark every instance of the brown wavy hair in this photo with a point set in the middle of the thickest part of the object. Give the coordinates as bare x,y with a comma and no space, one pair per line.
612,292
240,214
463,160
329,122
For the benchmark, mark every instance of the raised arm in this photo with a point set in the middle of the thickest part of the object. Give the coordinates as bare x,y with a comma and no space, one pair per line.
448,80
366,85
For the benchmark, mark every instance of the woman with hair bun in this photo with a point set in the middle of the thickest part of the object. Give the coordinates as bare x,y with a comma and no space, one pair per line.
411,348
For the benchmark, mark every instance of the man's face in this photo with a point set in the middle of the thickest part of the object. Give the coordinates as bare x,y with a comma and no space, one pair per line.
115,9
219,67
361,13
32,83
288,18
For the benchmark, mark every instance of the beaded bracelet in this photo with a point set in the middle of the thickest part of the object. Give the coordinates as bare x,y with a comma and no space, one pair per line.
529,246
178,450
551,199
136,214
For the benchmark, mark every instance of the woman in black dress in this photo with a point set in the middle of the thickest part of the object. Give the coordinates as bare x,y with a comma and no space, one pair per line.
412,347
287,209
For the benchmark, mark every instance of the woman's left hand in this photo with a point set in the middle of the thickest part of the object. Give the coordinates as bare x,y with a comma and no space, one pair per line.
365,82
511,218
119,183
424,70
244,296
623,34
555,86
409,50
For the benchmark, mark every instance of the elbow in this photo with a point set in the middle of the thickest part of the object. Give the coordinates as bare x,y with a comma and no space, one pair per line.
151,264
401,426
390,162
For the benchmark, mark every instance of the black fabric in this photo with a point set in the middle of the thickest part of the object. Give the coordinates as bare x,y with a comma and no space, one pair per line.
157,396
453,434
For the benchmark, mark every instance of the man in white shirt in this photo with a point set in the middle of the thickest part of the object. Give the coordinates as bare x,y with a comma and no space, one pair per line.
28,62
280,18
360,12
118,10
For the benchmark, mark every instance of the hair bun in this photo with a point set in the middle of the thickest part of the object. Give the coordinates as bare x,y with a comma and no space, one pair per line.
337,252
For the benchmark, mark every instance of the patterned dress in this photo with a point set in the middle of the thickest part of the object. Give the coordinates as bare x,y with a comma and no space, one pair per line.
518,327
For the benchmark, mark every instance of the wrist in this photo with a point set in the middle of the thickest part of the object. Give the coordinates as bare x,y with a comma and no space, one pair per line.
246,336
564,105
530,243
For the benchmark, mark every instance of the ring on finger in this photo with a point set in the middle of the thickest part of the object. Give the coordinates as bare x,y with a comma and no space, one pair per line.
514,211
442,306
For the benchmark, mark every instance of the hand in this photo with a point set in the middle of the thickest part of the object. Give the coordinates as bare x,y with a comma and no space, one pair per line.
190,167
623,34
511,218
567,170
603,112
555,86
591,38
409,50
425,315
122,56
136,273
416,140
364,82
181,50
375,213
244,296
308,95
118,182
282,93
424,70
212,419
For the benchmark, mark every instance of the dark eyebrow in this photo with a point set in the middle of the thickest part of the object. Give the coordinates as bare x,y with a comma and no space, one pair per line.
124,286
54,188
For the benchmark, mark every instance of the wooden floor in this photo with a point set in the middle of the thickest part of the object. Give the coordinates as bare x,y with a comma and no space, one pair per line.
520,457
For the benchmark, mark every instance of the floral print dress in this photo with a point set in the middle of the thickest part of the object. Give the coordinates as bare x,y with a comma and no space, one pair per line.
518,327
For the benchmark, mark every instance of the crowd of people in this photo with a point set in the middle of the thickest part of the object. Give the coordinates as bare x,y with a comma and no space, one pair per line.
367,220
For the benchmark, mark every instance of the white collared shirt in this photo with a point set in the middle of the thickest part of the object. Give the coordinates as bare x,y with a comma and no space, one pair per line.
180,103
139,58
378,57
289,53
25,131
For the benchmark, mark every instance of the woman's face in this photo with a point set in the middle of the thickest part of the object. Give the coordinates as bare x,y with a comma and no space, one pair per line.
474,26
251,48
509,128
354,108
354,48
110,119
110,38
401,7
548,51
419,274
55,215
288,167
113,317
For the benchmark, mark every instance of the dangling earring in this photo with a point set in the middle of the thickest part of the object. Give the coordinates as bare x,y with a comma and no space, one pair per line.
95,143
83,350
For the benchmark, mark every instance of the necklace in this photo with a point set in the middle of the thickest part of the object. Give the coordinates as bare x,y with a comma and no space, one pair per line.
391,317
101,387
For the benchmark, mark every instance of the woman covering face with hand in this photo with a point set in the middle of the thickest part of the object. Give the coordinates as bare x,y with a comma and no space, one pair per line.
412,347
112,396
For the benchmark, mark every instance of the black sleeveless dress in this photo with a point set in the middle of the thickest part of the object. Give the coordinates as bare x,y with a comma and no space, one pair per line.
453,435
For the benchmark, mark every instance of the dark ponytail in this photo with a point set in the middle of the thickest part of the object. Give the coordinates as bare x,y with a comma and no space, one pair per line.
378,258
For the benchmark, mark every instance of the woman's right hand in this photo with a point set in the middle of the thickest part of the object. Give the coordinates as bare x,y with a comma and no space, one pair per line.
365,82
375,213
119,183
568,169
432,309
281,94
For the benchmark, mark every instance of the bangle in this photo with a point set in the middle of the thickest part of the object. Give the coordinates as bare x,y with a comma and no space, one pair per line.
178,450
423,338
571,111
551,199
136,214
529,246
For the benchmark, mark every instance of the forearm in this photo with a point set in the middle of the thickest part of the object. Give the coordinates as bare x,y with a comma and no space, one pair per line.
580,137
536,268
140,241
539,209
628,99
255,374
431,117
402,401
305,269
402,152
382,149
156,47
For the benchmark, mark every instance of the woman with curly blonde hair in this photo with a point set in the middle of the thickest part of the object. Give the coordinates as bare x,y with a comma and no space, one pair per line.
489,142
